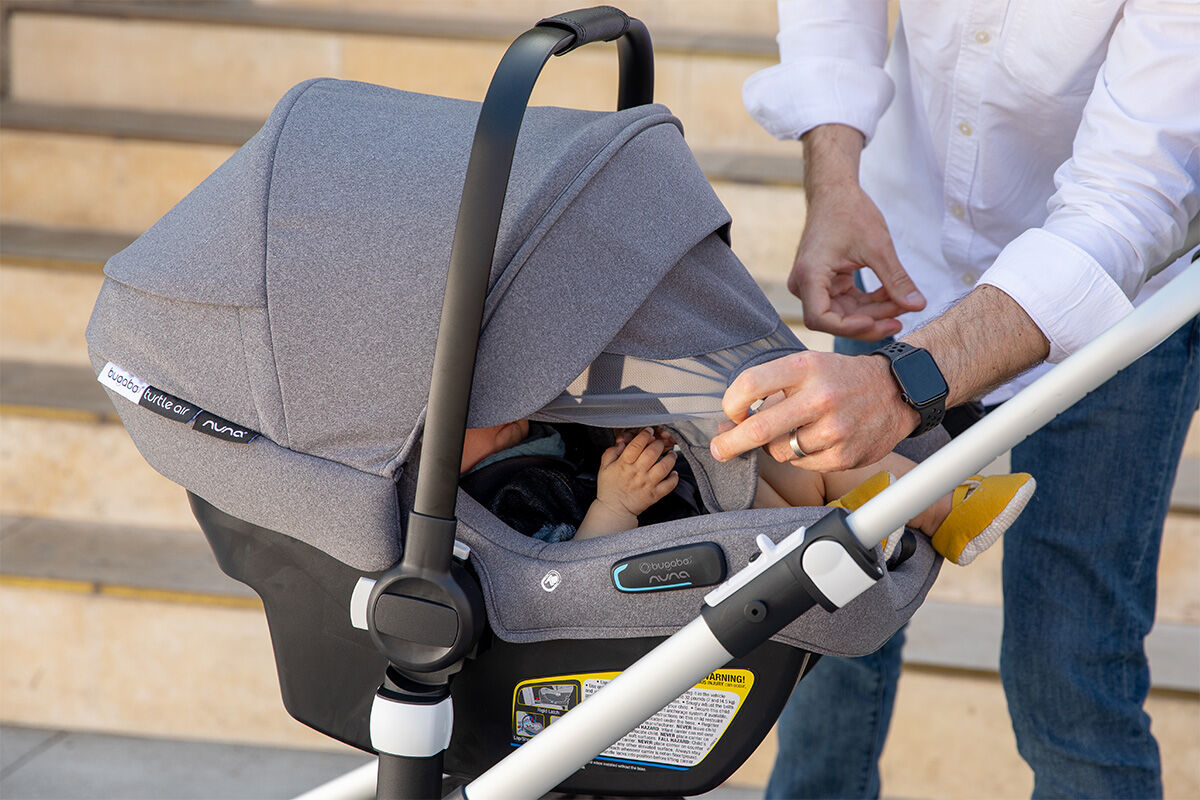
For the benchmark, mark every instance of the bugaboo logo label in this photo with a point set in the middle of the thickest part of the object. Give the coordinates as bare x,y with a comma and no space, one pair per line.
551,580
123,383
655,566
223,428
168,405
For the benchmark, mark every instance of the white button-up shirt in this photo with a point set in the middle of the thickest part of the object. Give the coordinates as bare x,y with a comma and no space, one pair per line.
1050,148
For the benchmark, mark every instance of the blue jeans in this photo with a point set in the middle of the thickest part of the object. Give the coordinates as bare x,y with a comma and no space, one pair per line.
1079,592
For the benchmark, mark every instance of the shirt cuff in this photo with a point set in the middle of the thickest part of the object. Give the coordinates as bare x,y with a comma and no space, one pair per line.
1061,287
790,99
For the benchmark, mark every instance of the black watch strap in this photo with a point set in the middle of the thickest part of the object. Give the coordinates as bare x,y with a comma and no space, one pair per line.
932,409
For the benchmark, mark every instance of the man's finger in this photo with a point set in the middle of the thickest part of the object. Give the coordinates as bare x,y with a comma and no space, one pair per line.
877,304
899,286
762,381
764,427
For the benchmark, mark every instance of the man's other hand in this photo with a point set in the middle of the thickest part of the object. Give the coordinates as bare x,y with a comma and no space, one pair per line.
843,232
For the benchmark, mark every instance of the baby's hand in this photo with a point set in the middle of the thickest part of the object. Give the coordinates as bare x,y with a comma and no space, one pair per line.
636,475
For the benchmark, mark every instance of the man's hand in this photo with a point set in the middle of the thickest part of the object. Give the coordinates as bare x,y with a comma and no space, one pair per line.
844,232
847,410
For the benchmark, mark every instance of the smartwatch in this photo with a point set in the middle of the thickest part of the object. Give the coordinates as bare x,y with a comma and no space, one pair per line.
921,384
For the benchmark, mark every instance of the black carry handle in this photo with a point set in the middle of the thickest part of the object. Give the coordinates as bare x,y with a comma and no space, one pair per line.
475,242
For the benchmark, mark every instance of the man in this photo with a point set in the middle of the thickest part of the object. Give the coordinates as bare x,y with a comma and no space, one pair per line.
1034,161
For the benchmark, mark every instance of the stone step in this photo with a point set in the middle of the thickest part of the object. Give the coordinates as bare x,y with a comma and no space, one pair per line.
43,314
63,764
232,58
155,665
59,466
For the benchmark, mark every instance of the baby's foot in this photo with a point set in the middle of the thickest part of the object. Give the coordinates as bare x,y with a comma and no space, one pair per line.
981,509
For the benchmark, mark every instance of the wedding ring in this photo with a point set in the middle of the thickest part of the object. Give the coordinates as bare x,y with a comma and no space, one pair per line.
796,445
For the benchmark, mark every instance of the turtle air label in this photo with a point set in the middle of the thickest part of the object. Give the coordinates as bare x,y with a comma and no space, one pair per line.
678,737
123,383
168,405
223,428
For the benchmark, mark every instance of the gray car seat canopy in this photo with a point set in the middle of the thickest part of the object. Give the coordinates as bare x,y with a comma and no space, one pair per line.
297,293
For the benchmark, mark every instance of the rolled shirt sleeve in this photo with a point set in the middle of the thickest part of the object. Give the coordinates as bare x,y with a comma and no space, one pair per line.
1124,199
831,69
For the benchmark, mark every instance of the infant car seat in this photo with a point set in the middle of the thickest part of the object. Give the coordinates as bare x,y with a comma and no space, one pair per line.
270,346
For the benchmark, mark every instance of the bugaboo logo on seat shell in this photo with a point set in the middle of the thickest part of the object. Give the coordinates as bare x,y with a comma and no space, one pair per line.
551,580
654,566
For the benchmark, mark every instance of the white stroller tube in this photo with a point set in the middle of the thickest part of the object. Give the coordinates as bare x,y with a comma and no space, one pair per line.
1136,334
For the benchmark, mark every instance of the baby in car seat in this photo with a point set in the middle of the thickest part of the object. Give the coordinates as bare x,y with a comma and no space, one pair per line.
639,470
544,500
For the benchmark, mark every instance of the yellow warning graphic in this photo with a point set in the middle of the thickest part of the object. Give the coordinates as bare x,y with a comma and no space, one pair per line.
678,737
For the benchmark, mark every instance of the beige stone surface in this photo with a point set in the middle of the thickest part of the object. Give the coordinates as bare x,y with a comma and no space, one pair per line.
459,69
121,185
712,111
1178,566
720,17
83,471
86,662
1191,447
951,738
43,314
162,65
766,225
704,91
225,69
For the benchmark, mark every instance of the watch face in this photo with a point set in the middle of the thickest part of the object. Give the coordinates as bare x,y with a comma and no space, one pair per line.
920,376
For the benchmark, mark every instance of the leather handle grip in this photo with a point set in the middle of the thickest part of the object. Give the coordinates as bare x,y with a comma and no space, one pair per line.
598,24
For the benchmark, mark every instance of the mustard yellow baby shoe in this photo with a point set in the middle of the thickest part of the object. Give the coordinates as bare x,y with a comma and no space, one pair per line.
860,494
980,510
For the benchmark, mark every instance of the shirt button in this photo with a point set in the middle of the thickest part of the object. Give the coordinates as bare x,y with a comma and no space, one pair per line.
957,210
965,128
968,278
982,37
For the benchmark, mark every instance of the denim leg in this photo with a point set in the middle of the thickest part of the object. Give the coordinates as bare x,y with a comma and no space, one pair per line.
1080,577
832,729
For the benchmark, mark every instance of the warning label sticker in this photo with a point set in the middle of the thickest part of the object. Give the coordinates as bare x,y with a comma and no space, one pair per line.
678,737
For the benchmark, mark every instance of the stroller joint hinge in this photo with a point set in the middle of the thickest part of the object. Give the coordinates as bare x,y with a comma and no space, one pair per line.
821,565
